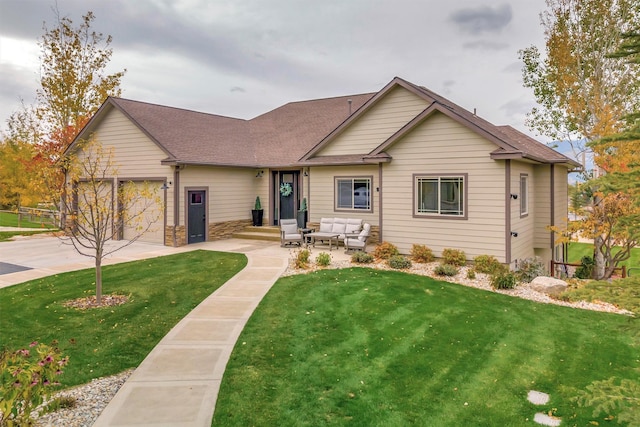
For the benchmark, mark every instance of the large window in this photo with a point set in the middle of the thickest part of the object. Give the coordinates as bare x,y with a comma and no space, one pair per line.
524,195
353,193
440,195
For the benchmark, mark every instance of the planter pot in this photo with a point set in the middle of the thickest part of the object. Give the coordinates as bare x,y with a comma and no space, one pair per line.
256,216
302,219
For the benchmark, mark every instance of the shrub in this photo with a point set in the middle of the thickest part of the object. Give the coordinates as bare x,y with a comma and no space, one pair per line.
487,264
585,271
399,262
529,269
471,274
504,280
26,379
454,257
421,253
386,250
446,270
323,259
301,258
361,257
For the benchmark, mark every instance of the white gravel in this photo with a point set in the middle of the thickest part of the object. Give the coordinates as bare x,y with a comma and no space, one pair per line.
92,398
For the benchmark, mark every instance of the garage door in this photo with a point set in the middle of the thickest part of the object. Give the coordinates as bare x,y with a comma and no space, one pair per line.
145,214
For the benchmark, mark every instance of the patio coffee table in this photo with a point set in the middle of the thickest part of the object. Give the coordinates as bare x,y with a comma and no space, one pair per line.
319,235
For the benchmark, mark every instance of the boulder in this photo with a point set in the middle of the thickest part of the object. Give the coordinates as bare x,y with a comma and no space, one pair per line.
549,285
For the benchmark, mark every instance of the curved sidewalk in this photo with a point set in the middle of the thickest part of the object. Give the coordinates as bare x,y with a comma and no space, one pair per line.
177,383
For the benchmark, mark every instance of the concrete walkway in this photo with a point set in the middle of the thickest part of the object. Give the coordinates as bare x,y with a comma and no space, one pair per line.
177,383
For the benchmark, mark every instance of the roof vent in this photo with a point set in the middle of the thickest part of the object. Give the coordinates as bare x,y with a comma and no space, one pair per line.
350,101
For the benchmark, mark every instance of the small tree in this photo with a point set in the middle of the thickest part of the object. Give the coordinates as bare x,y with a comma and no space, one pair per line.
99,207
614,219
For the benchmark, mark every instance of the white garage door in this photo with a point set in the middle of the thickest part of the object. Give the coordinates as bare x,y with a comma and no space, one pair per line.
145,214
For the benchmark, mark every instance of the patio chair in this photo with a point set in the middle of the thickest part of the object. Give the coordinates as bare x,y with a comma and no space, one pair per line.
358,243
289,232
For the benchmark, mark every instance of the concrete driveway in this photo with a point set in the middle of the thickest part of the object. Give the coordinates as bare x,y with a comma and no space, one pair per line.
34,257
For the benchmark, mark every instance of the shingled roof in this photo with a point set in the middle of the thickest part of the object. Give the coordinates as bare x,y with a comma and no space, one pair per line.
274,139
290,135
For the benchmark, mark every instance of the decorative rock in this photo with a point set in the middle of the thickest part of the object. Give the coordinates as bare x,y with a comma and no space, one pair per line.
549,285
538,397
546,420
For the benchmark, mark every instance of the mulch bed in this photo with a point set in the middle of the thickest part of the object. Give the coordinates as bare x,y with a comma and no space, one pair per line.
91,302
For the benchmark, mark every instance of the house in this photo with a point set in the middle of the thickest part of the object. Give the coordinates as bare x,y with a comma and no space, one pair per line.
417,167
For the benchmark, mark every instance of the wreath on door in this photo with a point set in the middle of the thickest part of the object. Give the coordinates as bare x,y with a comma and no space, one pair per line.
285,189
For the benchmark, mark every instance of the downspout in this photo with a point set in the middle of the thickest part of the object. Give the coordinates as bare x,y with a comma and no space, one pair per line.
507,211
176,203
380,217
308,195
552,193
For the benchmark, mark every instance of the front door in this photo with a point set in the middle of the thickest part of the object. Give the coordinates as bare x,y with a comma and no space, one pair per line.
197,217
287,194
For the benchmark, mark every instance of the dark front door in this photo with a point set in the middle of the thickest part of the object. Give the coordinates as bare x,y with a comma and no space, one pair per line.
197,217
287,194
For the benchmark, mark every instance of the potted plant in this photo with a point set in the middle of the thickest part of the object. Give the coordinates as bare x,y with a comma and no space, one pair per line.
256,213
302,214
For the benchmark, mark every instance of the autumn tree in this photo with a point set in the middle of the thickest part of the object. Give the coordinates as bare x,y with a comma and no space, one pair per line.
16,189
73,85
584,94
99,207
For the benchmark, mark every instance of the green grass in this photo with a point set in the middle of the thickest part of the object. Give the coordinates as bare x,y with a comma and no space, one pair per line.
364,347
624,293
8,235
109,340
8,219
577,250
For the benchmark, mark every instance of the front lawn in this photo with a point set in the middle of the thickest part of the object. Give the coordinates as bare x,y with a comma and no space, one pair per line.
109,340
367,347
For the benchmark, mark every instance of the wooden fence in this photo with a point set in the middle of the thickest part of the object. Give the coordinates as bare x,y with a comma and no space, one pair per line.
44,216
565,268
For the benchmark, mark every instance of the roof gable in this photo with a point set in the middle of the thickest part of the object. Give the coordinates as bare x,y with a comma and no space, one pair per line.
510,142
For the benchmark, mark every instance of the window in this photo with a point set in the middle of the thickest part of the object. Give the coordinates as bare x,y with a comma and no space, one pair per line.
353,193
524,195
440,195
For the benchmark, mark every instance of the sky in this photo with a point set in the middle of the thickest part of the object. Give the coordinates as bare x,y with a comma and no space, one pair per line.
242,58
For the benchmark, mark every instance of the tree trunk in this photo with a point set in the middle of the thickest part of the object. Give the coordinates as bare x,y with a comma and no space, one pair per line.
598,258
98,280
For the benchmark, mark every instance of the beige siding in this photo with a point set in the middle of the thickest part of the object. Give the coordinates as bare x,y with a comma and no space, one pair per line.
136,158
441,145
561,193
231,192
322,183
391,113
524,225
542,207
